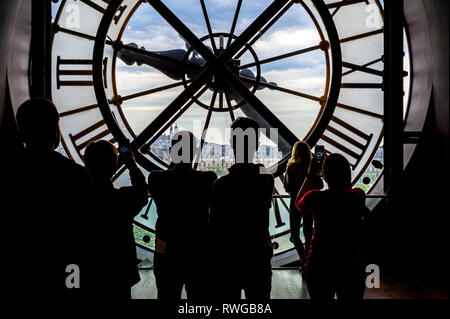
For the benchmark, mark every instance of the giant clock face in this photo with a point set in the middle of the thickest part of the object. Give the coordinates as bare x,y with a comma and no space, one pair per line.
310,69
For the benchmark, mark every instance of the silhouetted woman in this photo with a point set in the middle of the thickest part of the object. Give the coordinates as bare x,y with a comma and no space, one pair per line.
335,264
297,169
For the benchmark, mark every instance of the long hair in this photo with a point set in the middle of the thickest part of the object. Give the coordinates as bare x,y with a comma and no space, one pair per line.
301,155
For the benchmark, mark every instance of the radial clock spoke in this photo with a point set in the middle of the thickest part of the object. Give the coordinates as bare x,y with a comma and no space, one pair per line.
172,108
233,24
205,129
147,92
227,98
208,25
221,100
176,116
266,28
183,30
251,30
322,46
259,106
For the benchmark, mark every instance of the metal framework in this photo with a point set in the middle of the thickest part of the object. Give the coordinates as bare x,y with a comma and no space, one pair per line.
217,65
393,95
41,46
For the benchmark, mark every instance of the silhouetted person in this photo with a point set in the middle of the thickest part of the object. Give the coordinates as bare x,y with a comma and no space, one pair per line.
43,197
115,211
182,197
335,263
296,171
241,248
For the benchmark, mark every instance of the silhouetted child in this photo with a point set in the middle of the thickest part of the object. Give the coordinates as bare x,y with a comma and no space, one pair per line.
115,211
182,197
241,249
335,263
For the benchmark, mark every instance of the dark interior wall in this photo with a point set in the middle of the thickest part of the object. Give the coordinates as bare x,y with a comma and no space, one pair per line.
15,35
409,236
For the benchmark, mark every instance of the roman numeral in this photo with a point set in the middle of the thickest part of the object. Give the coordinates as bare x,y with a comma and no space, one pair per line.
78,110
76,72
96,6
70,71
337,5
102,8
346,133
362,68
362,85
96,131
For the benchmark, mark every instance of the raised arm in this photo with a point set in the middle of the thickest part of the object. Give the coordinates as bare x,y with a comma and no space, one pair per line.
137,193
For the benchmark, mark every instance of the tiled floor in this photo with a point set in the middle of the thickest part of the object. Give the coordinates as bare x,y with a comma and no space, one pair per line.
288,284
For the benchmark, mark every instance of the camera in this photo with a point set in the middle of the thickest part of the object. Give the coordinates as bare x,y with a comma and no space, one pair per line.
319,153
124,146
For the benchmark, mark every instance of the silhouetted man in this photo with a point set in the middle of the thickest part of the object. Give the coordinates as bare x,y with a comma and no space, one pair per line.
182,197
241,249
44,205
115,211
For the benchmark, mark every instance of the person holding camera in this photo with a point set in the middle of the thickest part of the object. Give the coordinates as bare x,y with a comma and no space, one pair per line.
335,263
116,261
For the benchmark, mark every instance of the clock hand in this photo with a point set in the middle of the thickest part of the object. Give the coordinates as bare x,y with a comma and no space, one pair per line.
171,62
247,73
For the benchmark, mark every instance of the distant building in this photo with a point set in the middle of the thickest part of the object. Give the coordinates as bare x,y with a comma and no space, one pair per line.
214,157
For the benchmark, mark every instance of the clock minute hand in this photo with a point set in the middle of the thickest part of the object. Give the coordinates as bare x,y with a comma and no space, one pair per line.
171,62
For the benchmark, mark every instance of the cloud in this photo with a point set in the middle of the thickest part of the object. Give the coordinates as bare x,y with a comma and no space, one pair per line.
286,40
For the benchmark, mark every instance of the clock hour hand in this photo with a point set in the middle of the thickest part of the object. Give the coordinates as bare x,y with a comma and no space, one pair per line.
171,62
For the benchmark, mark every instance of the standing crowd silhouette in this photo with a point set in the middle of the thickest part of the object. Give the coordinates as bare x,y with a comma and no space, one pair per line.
212,234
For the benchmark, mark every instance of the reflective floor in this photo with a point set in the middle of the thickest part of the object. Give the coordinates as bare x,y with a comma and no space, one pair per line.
288,284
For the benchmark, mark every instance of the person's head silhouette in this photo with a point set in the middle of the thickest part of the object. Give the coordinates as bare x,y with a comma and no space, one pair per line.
101,159
184,147
244,139
38,123
301,155
337,172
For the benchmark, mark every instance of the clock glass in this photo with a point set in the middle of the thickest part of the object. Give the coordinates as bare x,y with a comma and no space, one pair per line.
310,69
